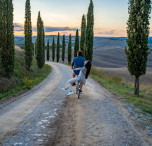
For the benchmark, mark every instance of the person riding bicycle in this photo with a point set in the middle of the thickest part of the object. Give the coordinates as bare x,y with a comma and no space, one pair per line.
78,62
82,76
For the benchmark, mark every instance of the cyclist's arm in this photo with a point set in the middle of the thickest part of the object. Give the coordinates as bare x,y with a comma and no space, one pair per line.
81,68
77,68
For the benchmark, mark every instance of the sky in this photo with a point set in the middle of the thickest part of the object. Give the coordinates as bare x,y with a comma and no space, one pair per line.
65,16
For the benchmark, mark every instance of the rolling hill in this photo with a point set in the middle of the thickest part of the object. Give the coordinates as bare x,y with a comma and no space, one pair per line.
108,52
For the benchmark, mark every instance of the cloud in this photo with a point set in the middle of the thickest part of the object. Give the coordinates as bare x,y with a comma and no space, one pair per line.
107,32
51,29
20,27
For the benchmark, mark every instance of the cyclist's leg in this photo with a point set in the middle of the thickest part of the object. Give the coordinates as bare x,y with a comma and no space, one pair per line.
73,76
70,82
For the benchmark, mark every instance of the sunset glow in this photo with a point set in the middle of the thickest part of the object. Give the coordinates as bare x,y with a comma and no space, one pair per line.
65,16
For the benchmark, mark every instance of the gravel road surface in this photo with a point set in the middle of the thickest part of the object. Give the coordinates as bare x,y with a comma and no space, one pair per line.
47,116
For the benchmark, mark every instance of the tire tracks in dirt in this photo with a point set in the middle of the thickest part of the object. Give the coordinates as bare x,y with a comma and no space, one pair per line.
97,118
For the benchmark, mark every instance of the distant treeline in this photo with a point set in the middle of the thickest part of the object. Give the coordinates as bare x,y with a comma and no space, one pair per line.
19,40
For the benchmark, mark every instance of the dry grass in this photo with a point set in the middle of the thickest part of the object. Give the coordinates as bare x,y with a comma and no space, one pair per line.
125,90
124,74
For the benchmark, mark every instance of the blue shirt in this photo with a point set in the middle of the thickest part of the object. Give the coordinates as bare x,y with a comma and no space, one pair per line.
77,63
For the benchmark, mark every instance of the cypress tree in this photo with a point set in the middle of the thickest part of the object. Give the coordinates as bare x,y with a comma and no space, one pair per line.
83,33
1,24
76,45
39,56
53,50
43,40
63,48
7,44
89,32
48,50
28,35
69,50
58,48
138,32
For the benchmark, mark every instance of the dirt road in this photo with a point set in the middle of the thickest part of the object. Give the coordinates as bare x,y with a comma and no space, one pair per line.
46,116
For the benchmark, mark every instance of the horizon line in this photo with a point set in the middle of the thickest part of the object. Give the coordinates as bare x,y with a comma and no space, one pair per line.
79,36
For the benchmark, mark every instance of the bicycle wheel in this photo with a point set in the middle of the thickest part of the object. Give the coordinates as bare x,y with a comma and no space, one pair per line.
77,87
78,90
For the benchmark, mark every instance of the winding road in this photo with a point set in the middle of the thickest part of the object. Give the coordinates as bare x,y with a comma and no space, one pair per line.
47,116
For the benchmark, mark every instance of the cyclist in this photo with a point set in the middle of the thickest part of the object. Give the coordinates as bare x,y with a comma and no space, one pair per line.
78,62
82,76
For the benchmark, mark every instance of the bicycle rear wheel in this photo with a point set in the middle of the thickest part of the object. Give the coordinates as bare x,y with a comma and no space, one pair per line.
77,87
78,93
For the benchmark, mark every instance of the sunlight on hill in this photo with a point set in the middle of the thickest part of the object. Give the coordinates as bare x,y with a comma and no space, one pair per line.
19,51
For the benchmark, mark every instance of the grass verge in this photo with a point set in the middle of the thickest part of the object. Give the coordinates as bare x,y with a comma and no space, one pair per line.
22,79
124,90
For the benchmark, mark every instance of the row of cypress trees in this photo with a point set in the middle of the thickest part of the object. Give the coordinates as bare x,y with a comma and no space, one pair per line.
85,44
7,50
39,51
87,33
57,47
7,41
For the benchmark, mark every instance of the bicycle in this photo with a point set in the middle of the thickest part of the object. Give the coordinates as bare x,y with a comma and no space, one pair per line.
78,89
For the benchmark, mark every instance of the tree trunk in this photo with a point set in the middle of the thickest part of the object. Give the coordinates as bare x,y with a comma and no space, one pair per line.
136,88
